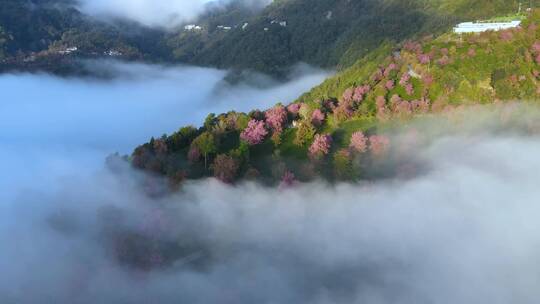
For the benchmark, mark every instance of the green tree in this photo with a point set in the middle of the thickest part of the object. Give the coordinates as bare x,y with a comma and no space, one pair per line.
206,143
304,134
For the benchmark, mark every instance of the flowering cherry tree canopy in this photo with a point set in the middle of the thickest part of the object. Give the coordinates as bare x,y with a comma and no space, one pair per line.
321,145
255,132
359,142
276,118
317,117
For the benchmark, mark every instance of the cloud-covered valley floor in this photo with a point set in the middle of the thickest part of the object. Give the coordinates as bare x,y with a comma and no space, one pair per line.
465,231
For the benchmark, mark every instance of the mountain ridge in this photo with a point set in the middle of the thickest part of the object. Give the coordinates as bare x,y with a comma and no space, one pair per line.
313,136
324,33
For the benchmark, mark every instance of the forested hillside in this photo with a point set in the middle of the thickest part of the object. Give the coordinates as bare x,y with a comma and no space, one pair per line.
51,35
326,33
43,34
340,130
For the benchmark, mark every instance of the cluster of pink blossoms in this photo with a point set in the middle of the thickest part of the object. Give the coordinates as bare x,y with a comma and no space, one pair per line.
360,92
321,145
294,108
389,85
359,142
348,95
255,132
424,58
276,118
391,67
405,78
317,118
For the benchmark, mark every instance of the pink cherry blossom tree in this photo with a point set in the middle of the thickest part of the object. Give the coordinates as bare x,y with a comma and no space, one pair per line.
391,67
320,146
255,132
359,142
276,118
394,101
409,88
403,108
344,110
389,85
348,95
294,108
317,118
424,58
421,106
427,79
360,92
405,78
382,111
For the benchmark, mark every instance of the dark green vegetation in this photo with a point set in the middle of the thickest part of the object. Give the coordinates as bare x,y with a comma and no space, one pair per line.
313,137
41,35
326,33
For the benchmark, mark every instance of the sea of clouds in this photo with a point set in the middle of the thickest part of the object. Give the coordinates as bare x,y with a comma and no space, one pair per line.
51,127
464,231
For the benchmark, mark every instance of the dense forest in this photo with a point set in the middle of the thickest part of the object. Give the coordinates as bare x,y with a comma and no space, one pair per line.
327,33
52,35
341,129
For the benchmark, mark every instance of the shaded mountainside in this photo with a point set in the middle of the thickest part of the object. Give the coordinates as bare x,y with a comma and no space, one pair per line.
40,34
51,35
340,130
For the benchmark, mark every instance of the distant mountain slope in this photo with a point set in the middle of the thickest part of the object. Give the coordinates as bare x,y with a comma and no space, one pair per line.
326,33
34,34
337,131
42,34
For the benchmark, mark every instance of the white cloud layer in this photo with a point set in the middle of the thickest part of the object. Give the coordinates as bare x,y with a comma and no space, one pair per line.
63,123
466,231
162,13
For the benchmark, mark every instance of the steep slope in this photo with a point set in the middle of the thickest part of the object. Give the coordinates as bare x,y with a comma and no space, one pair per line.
341,124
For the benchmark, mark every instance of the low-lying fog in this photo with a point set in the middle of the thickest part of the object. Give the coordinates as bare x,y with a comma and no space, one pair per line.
466,231
49,125
157,13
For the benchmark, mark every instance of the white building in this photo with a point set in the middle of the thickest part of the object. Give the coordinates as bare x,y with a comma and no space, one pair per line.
223,27
478,27
281,23
192,27
68,50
